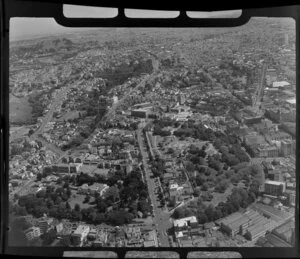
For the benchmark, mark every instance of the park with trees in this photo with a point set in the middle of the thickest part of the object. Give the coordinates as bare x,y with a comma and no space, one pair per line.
119,205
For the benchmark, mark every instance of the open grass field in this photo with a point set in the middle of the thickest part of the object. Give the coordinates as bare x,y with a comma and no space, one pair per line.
19,110
220,197
79,198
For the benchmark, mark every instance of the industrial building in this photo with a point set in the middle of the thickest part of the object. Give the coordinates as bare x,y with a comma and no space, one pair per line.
248,224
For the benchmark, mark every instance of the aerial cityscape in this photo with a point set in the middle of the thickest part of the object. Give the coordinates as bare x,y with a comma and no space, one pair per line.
154,137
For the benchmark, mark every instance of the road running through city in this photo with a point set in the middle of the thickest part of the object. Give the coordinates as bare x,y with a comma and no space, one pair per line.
162,218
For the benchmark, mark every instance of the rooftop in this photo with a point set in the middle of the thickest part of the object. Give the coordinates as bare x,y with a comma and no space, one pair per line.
80,229
280,83
184,221
273,182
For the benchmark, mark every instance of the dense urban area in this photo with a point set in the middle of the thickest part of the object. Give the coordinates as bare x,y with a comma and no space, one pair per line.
154,137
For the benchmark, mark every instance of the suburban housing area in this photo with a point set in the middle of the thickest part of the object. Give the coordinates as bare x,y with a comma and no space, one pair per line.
178,137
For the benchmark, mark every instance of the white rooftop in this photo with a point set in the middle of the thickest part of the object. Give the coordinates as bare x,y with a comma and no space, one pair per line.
291,101
280,83
274,182
174,186
184,221
81,229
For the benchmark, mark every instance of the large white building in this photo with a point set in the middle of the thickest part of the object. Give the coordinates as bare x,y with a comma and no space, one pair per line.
80,235
277,84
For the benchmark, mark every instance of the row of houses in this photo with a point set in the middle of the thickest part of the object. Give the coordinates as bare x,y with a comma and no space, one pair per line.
81,234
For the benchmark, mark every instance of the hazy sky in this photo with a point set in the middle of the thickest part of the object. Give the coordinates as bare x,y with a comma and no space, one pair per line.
25,28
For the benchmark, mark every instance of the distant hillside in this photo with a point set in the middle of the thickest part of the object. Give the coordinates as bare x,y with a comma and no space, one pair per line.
48,45
44,46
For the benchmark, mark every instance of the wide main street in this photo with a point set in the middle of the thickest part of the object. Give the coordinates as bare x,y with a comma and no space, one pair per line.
161,217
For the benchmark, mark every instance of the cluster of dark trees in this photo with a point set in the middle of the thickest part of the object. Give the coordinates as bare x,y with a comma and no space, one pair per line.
239,198
74,142
83,178
159,131
165,122
50,201
126,196
236,70
128,126
197,131
38,102
159,124
18,149
212,170
231,150
158,167
121,73
86,129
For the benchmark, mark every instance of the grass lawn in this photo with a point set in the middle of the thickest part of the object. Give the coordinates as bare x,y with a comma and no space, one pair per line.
220,197
79,198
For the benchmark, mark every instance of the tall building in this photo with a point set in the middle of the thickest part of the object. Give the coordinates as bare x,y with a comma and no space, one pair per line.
274,188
